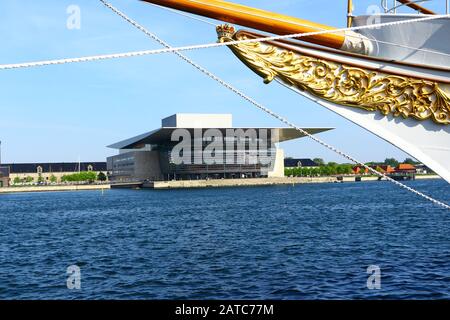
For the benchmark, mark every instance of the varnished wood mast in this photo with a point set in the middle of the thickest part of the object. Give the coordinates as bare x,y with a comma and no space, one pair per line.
256,18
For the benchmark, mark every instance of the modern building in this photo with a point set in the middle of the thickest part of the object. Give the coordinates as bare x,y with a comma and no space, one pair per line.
45,171
201,146
290,163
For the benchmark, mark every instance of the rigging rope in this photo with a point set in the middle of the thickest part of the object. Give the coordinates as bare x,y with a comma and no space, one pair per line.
181,13
304,25
206,46
267,110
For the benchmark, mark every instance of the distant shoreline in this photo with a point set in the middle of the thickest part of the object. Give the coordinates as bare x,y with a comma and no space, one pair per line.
190,184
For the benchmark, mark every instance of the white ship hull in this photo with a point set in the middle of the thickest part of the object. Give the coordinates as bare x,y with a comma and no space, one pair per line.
425,138
428,142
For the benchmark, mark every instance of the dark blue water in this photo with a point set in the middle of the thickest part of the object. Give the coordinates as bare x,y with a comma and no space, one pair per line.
280,242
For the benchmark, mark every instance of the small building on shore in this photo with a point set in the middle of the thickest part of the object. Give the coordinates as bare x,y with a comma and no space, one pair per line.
199,147
290,163
405,168
386,169
423,169
48,171
4,177
400,169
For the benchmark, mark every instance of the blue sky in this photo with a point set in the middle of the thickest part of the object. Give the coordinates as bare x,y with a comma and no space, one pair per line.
60,113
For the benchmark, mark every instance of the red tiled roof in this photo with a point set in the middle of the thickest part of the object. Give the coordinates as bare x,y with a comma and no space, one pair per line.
405,166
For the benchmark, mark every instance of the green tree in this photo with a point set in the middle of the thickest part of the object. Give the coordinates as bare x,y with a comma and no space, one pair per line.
101,176
84,176
319,161
348,169
333,169
287,173
409,161
40,178
17,180
53,179
306,171
391,162
29,179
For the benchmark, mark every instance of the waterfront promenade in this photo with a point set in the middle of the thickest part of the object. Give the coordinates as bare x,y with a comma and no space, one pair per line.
189,184
55,188
258,182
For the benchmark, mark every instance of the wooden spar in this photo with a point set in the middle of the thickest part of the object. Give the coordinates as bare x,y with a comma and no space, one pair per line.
415,6
349,13
256,18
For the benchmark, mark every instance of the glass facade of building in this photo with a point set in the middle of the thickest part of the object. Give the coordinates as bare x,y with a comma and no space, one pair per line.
188,147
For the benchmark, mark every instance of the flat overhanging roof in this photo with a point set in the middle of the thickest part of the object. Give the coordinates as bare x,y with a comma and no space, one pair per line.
163,135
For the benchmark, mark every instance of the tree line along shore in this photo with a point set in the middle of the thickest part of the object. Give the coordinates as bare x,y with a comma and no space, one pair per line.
389,166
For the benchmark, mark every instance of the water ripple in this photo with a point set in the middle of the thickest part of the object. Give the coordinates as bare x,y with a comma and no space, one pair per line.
280,242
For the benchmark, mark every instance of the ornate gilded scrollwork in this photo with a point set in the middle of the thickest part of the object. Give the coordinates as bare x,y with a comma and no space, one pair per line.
343,84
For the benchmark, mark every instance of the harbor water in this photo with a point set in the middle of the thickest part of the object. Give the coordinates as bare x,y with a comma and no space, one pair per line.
310,241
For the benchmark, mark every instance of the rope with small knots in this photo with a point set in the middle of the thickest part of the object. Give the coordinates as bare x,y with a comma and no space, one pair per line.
268,111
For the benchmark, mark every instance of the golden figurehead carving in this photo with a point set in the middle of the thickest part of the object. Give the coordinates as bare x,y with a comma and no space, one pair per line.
342,84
